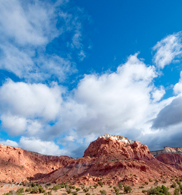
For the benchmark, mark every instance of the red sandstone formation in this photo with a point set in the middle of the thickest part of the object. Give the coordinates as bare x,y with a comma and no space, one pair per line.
110,158
18,165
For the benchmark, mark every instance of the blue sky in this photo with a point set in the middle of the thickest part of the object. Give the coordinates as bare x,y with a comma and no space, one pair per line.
71,71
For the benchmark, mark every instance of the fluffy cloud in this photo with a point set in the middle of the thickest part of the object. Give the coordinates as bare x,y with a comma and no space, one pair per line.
43,147
167,49
125,102
29,29
29,107
31,100
158,93
115,101
9,143
178,86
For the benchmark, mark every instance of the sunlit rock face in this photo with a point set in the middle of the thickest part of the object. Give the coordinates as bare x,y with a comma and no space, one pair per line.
118,147
172,150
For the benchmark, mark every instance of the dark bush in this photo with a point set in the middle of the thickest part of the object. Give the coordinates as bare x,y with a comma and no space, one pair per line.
127,189
100,183
103,192
173,185
20,191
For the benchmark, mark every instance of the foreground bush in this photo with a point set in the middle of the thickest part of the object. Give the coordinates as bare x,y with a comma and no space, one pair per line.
20,191
103,192
163,190
100,183
9,193
127,189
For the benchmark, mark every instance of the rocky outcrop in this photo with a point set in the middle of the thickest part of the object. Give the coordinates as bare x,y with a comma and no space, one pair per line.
119,147
112,160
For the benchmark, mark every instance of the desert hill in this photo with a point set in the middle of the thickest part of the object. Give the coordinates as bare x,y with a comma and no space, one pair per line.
18,165
113,159
109,158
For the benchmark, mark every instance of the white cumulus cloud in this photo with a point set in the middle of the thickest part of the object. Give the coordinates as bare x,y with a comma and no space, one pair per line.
167,50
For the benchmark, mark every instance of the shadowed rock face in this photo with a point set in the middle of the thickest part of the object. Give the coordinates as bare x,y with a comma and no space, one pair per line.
114,158
173,159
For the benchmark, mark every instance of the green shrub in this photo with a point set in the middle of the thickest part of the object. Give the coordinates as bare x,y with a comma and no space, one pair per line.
163,190
176,191
20,191
100,183
77,189
68,191
87,194
103,192
28,189
116,189
32,185
74,193
120,185
86,189
127,189
55,188
150,180
146,183
35,190
41,189
173,185
95,186
9,193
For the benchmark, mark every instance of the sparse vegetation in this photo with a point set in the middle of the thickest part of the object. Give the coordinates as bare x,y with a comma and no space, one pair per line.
100,183
9,193
163,190
120,185
173,185
176,191
86,189
116,189
103,192
77,189
127,189
95,186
